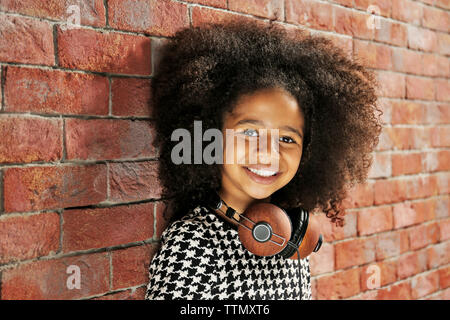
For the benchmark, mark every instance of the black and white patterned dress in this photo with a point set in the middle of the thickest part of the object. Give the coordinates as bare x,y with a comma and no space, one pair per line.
201,258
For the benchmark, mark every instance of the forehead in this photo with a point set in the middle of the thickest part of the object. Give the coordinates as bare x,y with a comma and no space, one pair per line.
275,107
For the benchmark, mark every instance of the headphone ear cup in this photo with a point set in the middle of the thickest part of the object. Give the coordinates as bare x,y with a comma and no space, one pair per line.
253,226
299,224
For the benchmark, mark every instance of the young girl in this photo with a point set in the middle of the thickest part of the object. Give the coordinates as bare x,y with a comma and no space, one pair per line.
253,78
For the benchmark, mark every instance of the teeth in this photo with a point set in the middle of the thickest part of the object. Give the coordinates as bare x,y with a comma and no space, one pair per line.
263,173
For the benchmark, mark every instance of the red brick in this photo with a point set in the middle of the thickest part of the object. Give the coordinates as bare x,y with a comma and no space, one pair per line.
339,285
392,85
360,195
392,32
119,225
384,6
50,187
443,43
309,13
104,51
399,291
388,245
444,229
266,8
437,113
132,294
407,112
407,11
360,27
29,236
421,187
342,42
130,266
354,252
96,139
443,160
133,181
434,66
47,279
385,141
442,209
323,260
438,254
29,139
424,284
130,97
440,136
91,12
26,40
426,209
381,166
365,53
442,90
399,34
405,138
374,220
389,191
421,137
435,19
420,88
423,235
422,39
384,57
331,232
346,3
442,4
406,163
412,263
386,270
55,92
430,161
444,277
342,20
442,183
404,214
161,18
405,60
202,15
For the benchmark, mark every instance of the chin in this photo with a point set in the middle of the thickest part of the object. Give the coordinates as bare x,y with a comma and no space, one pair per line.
258,192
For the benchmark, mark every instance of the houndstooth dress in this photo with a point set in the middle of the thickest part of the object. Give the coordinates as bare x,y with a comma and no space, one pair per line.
201,258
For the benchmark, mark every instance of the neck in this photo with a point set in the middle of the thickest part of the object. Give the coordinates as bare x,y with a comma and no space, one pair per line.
238,202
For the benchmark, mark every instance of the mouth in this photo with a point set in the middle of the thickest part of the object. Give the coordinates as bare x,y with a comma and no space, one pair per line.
262,176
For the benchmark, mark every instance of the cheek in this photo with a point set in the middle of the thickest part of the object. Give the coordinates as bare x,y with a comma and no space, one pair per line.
292,159
236,153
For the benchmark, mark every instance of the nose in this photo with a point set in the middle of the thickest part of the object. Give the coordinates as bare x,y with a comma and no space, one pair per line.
268,148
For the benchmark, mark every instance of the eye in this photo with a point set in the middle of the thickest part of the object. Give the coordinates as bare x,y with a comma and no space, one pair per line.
289,141
250,132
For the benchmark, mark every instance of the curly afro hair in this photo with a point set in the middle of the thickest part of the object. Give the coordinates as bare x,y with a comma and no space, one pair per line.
204,70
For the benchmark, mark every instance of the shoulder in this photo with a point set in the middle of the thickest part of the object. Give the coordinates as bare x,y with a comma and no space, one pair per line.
194,225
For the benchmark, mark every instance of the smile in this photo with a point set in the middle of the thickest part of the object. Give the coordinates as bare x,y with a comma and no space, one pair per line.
262,176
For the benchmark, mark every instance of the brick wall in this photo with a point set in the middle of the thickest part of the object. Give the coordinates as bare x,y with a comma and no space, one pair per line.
78,183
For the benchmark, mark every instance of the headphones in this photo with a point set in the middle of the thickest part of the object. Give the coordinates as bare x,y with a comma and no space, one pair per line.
266,229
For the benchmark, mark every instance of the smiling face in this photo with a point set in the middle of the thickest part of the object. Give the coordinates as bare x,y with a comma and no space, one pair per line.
269,112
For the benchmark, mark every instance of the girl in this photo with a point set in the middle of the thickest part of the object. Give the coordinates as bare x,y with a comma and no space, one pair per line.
252,78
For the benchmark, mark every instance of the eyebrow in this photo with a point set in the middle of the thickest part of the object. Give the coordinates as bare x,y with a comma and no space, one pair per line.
259,122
